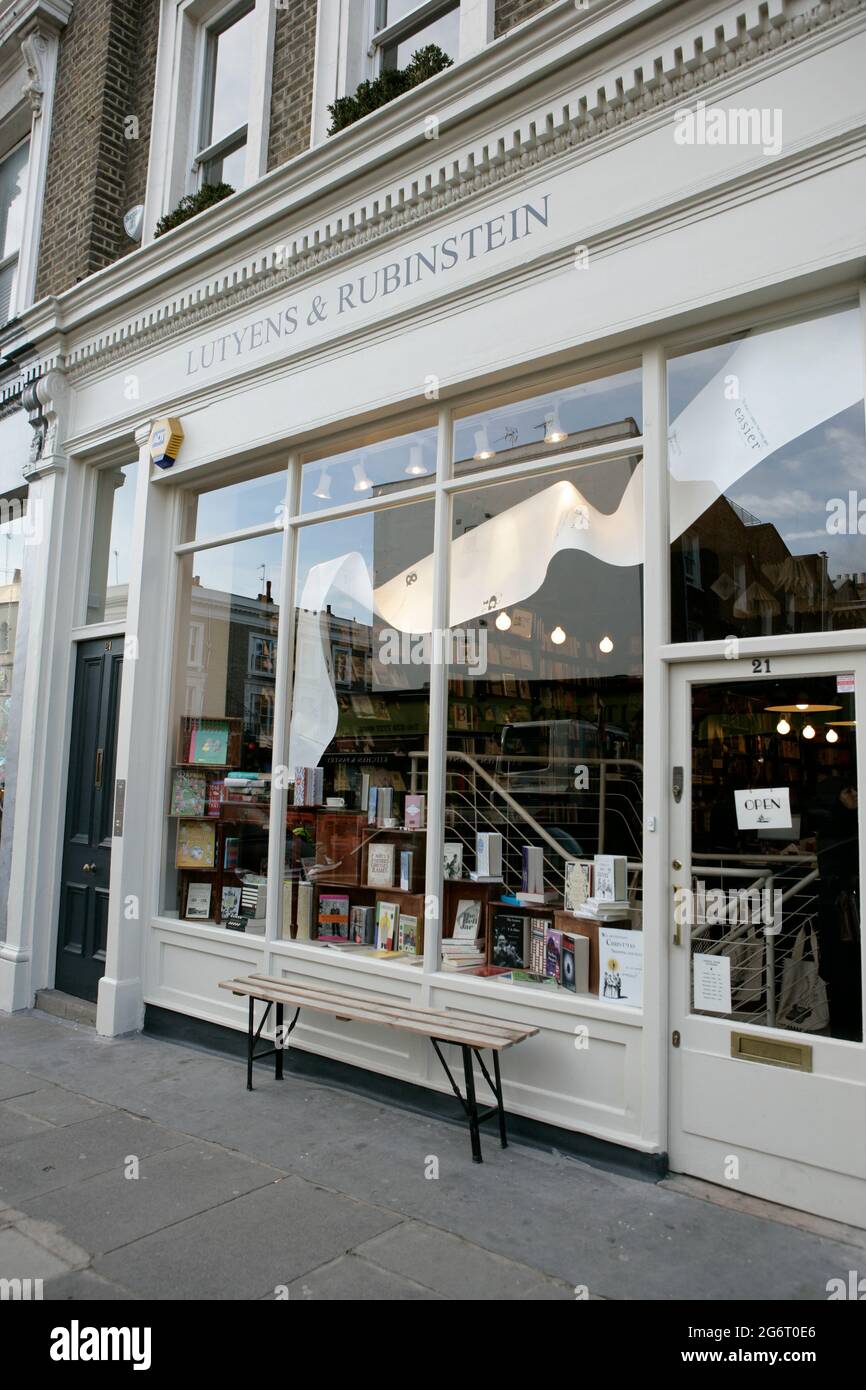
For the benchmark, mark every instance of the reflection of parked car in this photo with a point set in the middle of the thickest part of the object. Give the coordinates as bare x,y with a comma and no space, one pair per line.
543,756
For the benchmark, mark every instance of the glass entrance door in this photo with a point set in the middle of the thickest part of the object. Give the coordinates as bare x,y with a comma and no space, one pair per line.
768,1076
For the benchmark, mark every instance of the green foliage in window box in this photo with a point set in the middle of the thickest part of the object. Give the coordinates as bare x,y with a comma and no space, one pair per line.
193,204
391,83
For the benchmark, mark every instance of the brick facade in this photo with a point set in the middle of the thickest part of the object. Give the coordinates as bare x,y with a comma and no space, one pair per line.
292,86
511,12
95,173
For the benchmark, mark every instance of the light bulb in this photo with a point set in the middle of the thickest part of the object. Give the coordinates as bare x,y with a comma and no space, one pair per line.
802,706
808,731
362,482
606,644
783,727
503,622
416,468
558,635
483,449
832,736
323,488
553,431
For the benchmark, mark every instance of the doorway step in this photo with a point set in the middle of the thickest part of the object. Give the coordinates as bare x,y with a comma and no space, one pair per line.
54,1001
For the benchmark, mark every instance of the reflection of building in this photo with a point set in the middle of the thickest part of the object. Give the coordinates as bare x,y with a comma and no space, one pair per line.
231,659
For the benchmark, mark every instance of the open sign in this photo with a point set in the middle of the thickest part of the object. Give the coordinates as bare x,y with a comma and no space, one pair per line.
763,808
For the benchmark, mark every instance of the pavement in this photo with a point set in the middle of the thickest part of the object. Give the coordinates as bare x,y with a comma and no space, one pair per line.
133,1168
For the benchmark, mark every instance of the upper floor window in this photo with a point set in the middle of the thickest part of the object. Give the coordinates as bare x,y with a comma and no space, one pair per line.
13,185
225,97
404,26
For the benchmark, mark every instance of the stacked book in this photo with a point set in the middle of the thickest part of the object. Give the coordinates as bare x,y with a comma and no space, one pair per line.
246,787
309,786
462,955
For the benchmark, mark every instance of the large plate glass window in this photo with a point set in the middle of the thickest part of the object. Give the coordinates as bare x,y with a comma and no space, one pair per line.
17,532
111,549
13,186
767,458
404,26
221,734
380,468
355,843
225,98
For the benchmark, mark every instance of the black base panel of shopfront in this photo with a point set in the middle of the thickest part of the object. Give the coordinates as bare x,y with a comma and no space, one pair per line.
227,1042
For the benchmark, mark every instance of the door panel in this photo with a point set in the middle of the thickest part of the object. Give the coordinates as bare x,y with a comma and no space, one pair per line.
766,952
86,873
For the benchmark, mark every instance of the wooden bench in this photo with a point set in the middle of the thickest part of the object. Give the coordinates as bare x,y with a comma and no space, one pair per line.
473,1033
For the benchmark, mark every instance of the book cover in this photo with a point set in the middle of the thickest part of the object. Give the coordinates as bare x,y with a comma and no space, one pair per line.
610,878
210,744
231,852
334,914
198,900
230,903
286,920
620,956
305,911
214,796
416,811
372,805
578,884
406,861
488,854
362,925
408,940
467,922
530,977
380,865
510,938
553,954
537,929
452,859
386,925
196,845
567,966
188,792
532,877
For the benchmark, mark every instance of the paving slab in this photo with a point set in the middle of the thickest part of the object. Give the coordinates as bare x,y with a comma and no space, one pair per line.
246,1248
453,1267
83,1286
111,1210
57,1106
21,1257
14,1125
353,1279
16,1082
62,1156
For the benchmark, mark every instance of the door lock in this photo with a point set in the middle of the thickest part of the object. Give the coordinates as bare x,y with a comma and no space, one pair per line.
676,864
677,783
675,1037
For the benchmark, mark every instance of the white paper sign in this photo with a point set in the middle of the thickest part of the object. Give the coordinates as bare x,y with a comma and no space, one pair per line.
763,808
620,966
712,983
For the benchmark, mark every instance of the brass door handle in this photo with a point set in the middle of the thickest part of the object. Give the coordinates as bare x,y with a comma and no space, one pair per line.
97,777
88,868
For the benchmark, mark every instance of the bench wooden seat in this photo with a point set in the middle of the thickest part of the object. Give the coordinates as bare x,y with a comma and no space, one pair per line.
471,1032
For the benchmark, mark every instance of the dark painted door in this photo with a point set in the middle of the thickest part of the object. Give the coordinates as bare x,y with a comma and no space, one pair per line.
82,934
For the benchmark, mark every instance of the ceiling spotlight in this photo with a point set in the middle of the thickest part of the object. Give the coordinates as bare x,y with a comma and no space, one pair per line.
416,467
802,707
606,644
808,731
483,448
557,635
783,727
553,431
362,482
832,736
503,622
323,488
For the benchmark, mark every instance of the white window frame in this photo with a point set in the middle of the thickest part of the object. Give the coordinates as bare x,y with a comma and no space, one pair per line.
181,65
15,258
348,46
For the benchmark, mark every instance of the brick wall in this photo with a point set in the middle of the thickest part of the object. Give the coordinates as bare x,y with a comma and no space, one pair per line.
105,74
292,86
511,12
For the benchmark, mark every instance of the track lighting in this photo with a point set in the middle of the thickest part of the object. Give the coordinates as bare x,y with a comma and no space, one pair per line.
483,449
362,482
323,488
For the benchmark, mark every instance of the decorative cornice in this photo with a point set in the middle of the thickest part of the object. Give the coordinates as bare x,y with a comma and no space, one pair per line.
34,47
27,13
738,38
43,400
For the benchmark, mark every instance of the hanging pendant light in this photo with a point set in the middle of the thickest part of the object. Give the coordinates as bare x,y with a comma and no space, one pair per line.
323,487
808,731
831,736
503,621
416,467
783,727
558,635
483,447
362,482
606,645
553,431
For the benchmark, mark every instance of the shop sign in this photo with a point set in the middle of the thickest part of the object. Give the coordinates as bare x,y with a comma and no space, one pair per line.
763,808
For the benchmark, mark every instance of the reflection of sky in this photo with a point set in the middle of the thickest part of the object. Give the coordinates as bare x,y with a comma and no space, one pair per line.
232,78
12,175
583,407
387,542
254,502
791,488
123,508
237,569
11,549
445,32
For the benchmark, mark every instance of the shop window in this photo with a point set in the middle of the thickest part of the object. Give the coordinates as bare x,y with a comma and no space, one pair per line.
545,723
232,506
111,547
378,469
222,735
512,430
13,187
355,846
225,95
404,26
16,532
767,456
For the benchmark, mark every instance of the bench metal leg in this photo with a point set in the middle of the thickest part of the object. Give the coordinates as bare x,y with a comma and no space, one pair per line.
278,1050
503,1135
253,1036
471,1105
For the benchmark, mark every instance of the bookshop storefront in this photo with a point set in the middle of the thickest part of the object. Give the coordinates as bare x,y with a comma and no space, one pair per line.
495,641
